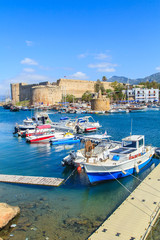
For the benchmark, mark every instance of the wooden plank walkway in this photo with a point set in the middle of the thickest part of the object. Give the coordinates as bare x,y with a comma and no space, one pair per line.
45,181
133,219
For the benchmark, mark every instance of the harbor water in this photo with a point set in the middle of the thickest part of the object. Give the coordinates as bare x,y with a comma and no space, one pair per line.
75,209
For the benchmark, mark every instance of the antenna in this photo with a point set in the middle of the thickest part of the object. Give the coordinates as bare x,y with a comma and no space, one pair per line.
131,127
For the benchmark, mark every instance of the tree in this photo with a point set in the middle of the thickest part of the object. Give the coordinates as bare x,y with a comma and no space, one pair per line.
87,96
118,94
104,79
99,86
70,98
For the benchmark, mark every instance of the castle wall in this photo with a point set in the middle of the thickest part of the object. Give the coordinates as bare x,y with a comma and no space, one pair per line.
48,95
15,92
78,87
52,93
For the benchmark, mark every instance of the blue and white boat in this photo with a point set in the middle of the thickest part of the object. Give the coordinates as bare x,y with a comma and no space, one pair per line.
96,146
131,157
64,138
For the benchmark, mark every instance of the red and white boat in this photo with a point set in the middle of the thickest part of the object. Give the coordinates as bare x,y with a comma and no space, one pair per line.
39,130
45,137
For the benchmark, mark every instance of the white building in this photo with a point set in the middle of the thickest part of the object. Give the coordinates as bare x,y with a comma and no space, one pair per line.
143,95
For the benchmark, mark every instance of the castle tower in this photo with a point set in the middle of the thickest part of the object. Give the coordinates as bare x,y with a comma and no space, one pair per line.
101,103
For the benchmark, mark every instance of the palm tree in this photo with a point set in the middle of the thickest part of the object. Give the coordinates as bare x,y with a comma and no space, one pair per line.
104,79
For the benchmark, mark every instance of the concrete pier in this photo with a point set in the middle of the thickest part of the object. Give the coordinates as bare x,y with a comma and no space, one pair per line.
133,219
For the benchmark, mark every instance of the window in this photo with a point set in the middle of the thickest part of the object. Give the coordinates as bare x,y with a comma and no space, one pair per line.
130,144
141,142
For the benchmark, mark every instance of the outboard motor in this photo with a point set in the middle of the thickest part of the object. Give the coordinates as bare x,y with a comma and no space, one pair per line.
73,155
16,129
43,119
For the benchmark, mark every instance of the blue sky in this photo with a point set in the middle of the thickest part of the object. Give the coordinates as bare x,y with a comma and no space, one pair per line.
44,40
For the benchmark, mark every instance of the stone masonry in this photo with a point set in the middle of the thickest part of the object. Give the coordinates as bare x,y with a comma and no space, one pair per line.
51,93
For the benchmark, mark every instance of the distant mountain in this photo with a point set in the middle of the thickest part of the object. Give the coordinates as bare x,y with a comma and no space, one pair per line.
153,77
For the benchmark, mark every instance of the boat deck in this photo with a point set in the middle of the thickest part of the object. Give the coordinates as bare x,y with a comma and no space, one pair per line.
45,181
133,219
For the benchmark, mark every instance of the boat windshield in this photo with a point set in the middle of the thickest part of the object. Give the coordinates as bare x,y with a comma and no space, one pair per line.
129,144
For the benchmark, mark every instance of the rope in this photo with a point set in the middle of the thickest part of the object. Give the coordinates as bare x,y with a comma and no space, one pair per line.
69,176
131,193
144,183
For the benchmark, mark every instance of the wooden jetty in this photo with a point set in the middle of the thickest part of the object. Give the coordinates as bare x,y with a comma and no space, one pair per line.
134,218
45,181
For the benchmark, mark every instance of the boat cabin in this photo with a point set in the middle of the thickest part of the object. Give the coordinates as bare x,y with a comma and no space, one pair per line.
133,141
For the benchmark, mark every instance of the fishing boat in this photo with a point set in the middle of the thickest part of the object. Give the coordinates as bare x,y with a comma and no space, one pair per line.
134,108
64,138
96,146
130,158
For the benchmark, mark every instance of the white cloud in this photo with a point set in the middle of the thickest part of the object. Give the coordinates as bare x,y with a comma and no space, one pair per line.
29,70
23,78
101,56
83,55
29,78
158,68
102,65
29,43
29,61
79,75
106,69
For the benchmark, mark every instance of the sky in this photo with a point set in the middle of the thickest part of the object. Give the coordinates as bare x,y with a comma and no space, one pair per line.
44,40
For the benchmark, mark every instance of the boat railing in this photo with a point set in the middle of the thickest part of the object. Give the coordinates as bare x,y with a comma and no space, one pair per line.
153,217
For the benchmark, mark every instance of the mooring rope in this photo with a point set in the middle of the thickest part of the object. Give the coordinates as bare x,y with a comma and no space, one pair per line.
69,176
144,183
131,193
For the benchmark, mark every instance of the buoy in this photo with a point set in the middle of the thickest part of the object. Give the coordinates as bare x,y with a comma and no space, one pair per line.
136,168
79,169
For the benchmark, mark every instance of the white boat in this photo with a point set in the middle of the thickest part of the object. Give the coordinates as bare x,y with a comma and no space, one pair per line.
91,151
39,130
45,137
131,157
39,118
78,125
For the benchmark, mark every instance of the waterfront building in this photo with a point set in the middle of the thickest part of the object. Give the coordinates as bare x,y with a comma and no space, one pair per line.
142,94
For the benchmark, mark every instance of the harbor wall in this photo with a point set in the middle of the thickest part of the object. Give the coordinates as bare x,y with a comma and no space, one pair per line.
51,93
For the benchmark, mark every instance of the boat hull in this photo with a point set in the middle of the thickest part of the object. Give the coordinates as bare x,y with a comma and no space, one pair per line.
39,139
66,141
112,175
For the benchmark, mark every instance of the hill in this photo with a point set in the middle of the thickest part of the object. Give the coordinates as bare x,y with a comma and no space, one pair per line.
153,77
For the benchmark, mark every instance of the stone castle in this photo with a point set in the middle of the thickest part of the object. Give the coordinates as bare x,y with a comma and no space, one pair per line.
52,93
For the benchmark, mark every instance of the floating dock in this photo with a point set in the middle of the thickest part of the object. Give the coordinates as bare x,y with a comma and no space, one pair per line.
44,181
134,218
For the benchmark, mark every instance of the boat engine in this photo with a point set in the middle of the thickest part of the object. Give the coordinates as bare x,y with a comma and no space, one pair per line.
73,155
16,130
78,129
69,159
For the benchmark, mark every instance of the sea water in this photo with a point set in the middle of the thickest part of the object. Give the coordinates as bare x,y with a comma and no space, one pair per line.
75,209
